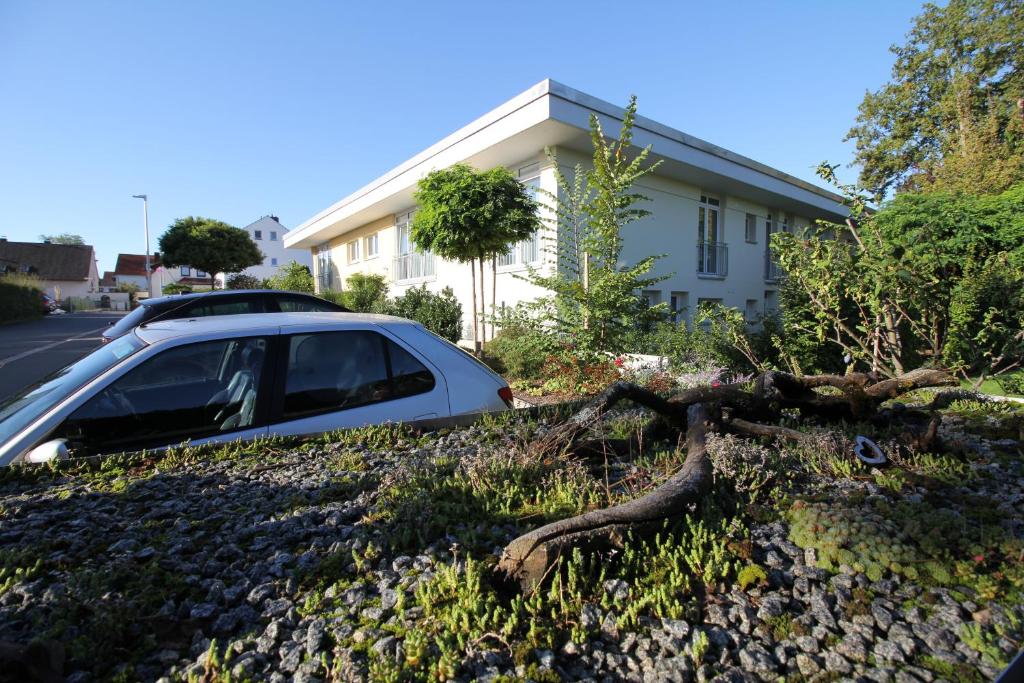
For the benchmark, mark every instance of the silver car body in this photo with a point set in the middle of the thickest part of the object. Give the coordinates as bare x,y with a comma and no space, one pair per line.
463,386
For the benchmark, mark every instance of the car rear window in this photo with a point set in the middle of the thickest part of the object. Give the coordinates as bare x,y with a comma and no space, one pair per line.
130,321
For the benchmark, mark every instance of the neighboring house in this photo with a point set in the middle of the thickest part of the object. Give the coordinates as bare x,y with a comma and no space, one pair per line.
712,210
64,270
131,269
268,234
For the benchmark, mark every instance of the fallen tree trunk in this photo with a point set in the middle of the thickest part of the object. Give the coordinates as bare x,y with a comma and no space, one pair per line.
529,558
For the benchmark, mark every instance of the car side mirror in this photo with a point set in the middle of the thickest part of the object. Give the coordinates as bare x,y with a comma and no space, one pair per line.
51,450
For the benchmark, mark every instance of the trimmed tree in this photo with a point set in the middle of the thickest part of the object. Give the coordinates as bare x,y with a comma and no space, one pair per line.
293,276
209,245
470,216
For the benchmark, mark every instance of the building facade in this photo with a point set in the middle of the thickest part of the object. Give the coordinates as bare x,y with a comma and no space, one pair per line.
65,271
269,234
711,210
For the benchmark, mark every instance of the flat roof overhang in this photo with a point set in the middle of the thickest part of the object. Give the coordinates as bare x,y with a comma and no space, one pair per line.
553,115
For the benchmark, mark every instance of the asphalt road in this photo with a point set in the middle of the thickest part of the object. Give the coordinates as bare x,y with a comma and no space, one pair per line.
31,350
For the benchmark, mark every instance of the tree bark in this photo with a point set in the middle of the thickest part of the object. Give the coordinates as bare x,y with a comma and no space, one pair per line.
483,306
476,339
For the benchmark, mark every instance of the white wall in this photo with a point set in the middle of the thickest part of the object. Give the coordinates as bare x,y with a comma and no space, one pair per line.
273,249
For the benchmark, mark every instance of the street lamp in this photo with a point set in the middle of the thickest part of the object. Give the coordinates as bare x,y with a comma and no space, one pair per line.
145,223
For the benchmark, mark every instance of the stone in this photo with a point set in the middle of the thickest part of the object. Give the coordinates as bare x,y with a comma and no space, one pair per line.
837,663
888,651
203,610
756,658
852,647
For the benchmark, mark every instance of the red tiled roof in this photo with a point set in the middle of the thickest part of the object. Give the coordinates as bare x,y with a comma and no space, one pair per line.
132,264
108,279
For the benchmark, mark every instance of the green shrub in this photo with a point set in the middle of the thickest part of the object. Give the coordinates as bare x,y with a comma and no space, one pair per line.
243,281
20,298
441,313
1012,383
522,345
365,292
292,276
175,288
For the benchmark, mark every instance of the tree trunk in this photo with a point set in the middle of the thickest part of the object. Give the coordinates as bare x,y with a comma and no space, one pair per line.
529,558
476,339
494,292
483,305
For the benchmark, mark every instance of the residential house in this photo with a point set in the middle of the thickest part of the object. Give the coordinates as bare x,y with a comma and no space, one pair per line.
712,210
64,270
268,234
131,269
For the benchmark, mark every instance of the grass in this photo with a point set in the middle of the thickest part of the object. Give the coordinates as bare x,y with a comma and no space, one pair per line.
992,385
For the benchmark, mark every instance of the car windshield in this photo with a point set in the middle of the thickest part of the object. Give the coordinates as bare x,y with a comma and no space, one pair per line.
129,322
20,410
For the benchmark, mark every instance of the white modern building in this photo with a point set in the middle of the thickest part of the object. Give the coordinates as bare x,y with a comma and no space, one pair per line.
712,210
269,234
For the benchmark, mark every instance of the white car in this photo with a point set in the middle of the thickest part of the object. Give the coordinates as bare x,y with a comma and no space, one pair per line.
224,378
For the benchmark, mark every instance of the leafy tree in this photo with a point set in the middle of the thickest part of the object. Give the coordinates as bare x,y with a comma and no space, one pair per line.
292,276
596,298
470,216
131,289
916,283
176,288
62,238
951,115
365,292
243,281
208,245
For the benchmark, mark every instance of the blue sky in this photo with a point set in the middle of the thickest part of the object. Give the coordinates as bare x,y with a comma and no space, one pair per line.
234,110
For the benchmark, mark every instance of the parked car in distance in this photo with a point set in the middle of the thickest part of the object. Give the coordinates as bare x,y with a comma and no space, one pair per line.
47,303
222,378
220,302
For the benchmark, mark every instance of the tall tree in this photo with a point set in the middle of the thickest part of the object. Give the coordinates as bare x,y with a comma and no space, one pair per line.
596,297
62,238
209,245
471,216
953,103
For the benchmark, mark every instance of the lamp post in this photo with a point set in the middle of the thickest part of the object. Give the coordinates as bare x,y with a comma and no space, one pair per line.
145,223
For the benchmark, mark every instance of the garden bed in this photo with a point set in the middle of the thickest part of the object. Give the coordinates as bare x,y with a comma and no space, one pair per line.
367,555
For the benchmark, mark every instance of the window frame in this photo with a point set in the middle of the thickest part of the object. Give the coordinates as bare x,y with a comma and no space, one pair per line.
261,414
257,235
353,254
373,238
185,271
277,398
750,228
273,235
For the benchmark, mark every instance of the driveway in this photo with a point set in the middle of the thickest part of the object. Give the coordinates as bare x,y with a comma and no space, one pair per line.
32,350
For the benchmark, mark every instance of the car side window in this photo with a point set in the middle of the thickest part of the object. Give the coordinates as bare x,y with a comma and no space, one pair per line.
226,307
298,304
331,371
186,392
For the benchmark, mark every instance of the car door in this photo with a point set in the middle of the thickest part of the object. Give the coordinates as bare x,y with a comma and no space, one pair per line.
353,377
205,391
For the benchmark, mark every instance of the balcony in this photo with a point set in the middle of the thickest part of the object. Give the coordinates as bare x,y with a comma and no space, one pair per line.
414,266
712,259
772,270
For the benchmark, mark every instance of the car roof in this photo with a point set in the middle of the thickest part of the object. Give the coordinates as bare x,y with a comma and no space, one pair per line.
258,323
172,299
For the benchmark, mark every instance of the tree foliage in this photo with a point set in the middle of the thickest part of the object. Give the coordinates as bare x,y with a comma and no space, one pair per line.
931,278
243,281
209,245
472,216
596,297
63,238
365,292
951,117
439,312
292,276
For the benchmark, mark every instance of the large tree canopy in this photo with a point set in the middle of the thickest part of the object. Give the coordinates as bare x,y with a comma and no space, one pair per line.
208,245
950,118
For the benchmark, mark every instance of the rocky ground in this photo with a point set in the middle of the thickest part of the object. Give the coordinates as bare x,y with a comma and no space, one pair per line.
365,557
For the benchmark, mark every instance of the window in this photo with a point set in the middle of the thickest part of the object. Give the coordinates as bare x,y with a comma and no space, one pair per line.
296,304
273,235
528,250
257,234
651,296
771,302
372,244
186,392
750,314
751,228
410,264
353,251
679,302
200,273
185,271
332,371
712,257
226,305
323,267
273,261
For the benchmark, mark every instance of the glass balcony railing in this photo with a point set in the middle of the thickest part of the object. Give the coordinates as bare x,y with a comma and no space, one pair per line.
713,259
414,266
